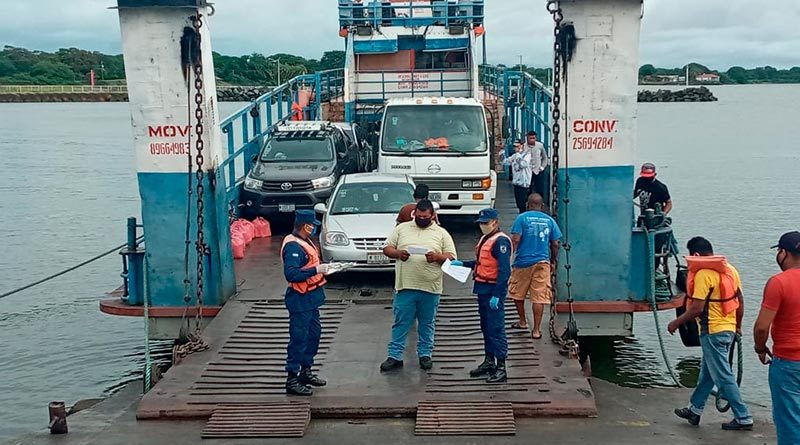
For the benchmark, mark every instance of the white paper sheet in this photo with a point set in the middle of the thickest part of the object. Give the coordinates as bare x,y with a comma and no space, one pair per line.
459,273
417,250
336,267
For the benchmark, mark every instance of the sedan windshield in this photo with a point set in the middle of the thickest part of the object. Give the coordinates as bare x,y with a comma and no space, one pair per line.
297,150
446,128
361,198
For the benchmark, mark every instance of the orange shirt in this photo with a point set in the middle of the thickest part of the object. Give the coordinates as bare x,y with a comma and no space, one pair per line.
782,295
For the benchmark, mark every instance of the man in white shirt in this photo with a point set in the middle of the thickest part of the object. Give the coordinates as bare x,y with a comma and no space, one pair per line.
538,164
520,163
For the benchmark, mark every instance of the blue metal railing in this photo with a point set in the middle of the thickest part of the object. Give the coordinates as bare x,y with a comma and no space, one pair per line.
244,131
527,102
384,13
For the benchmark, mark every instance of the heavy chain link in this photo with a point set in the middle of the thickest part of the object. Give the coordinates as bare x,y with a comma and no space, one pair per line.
195,341
569,346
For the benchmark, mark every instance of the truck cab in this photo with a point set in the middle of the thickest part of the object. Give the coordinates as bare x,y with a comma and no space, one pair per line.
411,70
443,143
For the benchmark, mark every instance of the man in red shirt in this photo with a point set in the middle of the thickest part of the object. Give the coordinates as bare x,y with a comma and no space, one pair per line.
780,316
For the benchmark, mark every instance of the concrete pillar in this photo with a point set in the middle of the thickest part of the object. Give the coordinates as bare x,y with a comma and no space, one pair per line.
163,120
598,143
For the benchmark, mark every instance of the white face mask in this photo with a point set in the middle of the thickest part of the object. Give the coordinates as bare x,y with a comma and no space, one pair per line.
487,228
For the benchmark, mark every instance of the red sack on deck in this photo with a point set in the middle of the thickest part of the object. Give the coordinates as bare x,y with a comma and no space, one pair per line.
237,245
263,229
247,229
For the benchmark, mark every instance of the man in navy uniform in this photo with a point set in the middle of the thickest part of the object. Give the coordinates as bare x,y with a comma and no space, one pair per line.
306,276
492,269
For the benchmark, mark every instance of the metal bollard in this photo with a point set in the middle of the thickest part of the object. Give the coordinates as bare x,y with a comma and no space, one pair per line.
58,418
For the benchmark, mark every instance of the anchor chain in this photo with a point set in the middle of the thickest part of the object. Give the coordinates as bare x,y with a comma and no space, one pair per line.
195,342
569,340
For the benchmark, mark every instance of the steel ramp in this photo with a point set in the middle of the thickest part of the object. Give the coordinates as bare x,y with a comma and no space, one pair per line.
279,419
441,418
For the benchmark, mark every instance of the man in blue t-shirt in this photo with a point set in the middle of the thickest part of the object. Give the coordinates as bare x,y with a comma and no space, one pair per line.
536,236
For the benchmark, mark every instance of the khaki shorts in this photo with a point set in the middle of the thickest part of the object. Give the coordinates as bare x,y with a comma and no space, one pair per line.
534,280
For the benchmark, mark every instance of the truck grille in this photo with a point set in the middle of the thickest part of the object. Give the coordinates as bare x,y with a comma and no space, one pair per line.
297,186
369,244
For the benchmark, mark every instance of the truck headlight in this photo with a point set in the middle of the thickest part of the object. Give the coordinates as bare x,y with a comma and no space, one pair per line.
323,183
484,184
336,239
253,184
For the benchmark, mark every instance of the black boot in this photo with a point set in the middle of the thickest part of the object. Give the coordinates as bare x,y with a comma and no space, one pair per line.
487,367
307,377
499,375
295,388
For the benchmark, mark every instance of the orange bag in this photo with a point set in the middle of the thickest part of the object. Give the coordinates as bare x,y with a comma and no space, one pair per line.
262,228
247,228
237,245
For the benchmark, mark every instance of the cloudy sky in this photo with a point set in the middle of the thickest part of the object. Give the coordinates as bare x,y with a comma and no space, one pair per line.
717,33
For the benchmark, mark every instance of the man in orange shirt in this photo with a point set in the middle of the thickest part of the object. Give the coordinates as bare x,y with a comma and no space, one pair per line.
780,315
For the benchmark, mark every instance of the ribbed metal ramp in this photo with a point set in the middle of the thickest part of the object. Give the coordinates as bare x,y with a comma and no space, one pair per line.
287,419
436,418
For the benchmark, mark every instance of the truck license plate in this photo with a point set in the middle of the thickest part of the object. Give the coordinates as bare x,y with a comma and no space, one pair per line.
435,196
377,258
285,208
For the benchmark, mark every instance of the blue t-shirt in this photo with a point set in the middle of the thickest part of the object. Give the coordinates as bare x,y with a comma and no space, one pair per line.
536,230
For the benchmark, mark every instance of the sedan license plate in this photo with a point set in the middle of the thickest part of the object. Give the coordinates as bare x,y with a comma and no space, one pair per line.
435,196
285,208
377,258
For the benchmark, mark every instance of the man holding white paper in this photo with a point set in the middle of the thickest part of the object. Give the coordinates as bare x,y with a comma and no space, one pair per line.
492,268
421,247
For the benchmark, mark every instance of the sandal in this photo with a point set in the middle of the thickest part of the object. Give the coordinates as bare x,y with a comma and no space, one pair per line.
516,325
536,337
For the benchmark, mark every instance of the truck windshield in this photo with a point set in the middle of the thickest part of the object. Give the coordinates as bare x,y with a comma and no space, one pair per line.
446,128
297,150
382,197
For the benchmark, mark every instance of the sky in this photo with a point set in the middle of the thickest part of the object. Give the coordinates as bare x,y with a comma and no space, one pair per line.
716,33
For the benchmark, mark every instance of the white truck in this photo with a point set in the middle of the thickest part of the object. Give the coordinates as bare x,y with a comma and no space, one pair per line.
412,66
443,143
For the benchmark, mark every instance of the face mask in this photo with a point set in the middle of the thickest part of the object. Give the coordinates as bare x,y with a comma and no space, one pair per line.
422,222
487,228
780,260
311,230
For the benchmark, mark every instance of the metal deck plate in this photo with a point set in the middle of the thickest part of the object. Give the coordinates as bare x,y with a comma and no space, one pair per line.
288,419
435,418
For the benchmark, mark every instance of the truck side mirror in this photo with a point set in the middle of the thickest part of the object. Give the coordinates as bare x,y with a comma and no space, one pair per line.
505,127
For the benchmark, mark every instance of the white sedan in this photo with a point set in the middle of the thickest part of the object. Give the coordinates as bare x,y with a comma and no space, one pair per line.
359,216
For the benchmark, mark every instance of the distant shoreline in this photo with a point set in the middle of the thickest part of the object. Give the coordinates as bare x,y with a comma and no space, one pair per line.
80,93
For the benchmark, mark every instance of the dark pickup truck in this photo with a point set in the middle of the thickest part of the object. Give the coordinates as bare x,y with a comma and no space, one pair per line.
298,167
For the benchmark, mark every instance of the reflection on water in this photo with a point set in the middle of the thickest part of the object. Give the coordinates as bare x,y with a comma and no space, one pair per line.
627,362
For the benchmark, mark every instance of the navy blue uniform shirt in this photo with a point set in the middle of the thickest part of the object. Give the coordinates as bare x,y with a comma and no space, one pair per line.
295,261
502,252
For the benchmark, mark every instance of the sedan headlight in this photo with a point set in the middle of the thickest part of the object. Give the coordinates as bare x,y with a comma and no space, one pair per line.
253,184
323,183
336,239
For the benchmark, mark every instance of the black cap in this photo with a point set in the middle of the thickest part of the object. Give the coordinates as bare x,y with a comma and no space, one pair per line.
790,242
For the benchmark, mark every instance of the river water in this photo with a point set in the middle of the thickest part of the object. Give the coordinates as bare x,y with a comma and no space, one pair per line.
69,183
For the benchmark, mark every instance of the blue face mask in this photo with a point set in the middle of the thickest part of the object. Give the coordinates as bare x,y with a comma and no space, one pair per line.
314,231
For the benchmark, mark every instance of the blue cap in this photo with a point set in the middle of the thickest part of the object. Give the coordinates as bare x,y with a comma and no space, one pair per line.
487,215
305,217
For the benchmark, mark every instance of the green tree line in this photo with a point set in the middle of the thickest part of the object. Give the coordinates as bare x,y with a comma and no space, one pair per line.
734,75
72,66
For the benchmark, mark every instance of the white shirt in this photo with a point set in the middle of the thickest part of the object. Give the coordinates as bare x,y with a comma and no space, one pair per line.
538,157
520,168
